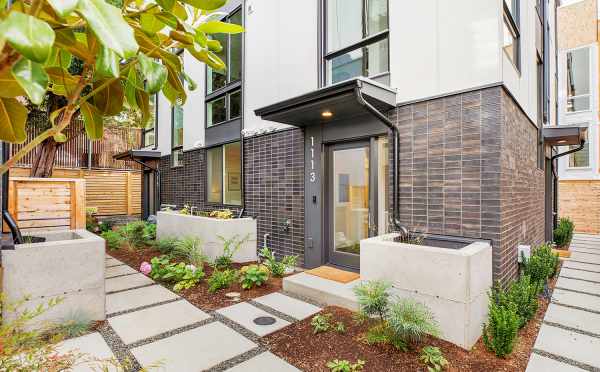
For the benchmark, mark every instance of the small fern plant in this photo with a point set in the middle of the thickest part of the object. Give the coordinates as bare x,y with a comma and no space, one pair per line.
230,246
411,320
373,298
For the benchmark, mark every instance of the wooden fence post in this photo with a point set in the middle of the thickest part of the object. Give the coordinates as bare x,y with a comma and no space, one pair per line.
78,204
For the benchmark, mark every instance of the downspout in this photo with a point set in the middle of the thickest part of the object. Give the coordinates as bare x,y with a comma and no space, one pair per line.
385,120
157,181
555,196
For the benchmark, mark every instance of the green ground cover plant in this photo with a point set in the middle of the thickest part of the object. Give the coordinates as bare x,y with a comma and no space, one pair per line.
433,358
253,276
221,279
113,239
337,365
277,268
189,249
181,275
230,246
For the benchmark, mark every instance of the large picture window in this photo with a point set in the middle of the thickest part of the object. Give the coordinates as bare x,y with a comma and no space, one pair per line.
224,174
578,80
512,32
223,88
149,132
357,39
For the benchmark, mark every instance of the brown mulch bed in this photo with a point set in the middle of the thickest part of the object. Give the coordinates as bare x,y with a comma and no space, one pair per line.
199,295
299,346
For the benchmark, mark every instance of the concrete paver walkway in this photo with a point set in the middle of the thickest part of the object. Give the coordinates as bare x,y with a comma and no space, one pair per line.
569,339
149,325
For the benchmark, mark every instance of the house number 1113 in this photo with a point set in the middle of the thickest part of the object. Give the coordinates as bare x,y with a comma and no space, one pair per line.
312,174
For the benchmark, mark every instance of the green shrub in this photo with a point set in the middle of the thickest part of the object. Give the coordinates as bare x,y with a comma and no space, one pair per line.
523,293
113,239
230,246
277,268
373,298
183,276
563,234
221,279
189,249
383,334
337,365
253,276
321,323
150,232
133,234
166,245
433,358
339,327
410,320
542,264
500,331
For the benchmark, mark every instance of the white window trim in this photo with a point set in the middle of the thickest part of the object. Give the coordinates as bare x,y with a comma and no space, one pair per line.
591,78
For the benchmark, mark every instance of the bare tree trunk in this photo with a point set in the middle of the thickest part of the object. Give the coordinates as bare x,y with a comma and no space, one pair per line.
43,162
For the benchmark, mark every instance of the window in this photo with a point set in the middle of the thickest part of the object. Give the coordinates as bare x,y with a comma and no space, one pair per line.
149,132
357,39
581,158
223,101
224,174
511,44
344,188
578,80
177,135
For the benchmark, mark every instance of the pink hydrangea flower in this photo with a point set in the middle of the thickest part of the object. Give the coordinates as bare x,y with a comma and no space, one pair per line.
145,268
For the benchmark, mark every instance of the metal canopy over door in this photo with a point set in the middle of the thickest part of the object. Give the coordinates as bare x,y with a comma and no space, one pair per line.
351,208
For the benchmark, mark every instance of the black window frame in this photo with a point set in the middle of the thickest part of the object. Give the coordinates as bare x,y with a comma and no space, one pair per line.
231,87
179,147
363,43
512,19
207,181
145,130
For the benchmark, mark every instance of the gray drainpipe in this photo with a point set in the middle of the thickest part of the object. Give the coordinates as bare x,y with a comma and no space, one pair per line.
555,196
385,120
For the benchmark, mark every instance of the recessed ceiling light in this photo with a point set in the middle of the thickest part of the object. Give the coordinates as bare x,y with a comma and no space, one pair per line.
327,114
562,141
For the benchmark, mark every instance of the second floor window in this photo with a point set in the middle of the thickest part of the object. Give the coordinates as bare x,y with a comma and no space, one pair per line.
177,136
223,88
149,132
512,32
357,39
578,80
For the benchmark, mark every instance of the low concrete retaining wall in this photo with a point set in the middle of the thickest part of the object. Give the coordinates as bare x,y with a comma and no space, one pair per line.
69,264
208,230
453,283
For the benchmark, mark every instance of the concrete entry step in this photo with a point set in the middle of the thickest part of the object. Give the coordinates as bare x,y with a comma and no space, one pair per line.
322,291
288,305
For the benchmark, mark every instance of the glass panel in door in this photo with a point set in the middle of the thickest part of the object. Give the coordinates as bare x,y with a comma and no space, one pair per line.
349,202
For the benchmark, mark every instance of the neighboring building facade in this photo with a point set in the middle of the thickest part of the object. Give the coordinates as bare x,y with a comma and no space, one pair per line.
468,84
579,173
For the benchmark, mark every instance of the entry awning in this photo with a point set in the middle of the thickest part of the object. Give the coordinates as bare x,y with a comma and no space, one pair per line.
140,155
332,103
564,135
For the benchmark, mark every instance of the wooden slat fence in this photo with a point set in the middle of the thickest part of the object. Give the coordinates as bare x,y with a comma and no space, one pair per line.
47,203
74,152
113,192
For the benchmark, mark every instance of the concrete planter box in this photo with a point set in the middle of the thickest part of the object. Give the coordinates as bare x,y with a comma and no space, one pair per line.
453,283
69,264
172,224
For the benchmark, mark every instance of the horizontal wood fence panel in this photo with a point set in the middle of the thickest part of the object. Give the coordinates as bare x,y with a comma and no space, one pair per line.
113,192
47,203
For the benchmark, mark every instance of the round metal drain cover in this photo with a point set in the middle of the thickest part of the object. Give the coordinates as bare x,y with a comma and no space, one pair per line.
264,320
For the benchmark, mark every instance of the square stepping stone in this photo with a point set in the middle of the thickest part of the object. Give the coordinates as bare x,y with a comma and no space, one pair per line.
94,351
120,283
139,297
113,262
142,324
578,285
194,350
581,266
118,270
264,362
288,305
569,344
573,318
586,250
538,363
580,274
581,300
244,315
585,257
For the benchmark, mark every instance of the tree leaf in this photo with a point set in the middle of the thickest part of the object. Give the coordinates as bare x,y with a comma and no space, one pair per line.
191,84
107,63
32,78
131,87
206,4
206,56
214,45
218,27
63,83
65,39
109,26
29,36
9,87
166,4
179,11
109,100
150,23
94,125
60,137
63,7
13,116
142,99
154,72
168,19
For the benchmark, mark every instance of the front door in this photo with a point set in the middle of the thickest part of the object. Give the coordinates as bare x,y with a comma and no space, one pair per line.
350,208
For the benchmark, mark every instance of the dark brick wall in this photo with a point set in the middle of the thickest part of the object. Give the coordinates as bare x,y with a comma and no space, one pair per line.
456,175
185,184
274,188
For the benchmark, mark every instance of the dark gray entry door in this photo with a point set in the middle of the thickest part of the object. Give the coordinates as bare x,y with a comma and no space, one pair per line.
350,208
